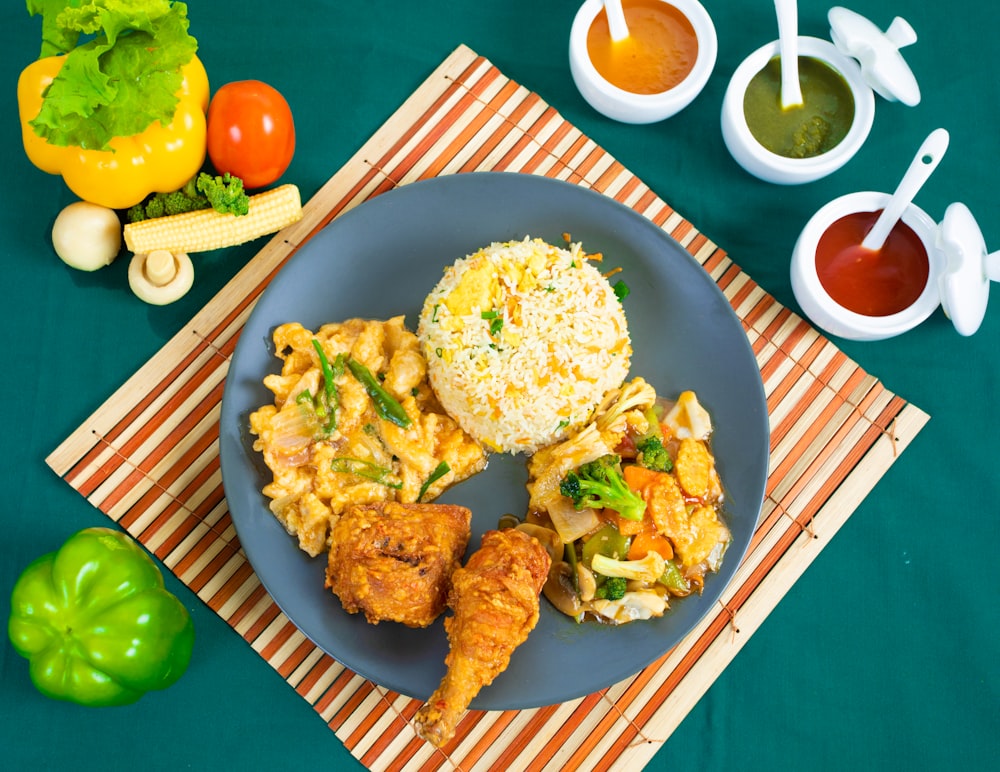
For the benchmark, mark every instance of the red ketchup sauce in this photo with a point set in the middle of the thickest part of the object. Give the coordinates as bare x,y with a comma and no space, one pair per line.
869,282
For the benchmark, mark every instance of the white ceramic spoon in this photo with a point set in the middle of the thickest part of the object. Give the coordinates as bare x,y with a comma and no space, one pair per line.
616,20
788,47
923,163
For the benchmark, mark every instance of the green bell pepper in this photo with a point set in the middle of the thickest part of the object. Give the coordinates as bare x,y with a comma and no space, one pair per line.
96,623
607,541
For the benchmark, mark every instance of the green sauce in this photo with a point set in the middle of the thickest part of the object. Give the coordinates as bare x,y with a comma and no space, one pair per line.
817,126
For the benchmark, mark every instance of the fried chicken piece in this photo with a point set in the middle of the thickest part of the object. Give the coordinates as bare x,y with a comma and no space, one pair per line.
394,562
495,600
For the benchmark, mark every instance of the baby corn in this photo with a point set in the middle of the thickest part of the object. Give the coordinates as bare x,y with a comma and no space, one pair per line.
207,229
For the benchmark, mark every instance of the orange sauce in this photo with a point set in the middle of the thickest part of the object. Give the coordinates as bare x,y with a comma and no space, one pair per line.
869,282
659,52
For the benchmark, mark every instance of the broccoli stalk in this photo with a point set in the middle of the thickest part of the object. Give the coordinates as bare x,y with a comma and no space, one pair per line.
653,455
600,484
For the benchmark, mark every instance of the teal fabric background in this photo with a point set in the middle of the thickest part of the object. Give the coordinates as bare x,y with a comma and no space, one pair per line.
883,656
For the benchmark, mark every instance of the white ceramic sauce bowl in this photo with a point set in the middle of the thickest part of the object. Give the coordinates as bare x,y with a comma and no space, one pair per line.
823,310
626,106
770,166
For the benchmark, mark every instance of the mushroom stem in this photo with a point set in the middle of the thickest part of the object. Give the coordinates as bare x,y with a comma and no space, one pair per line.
160,267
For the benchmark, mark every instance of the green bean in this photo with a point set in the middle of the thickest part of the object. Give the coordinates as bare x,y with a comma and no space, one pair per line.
439,471
327,407
386,405
367,469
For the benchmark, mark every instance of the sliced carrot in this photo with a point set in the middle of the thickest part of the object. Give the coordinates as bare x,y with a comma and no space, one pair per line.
638,478
649,541
625,526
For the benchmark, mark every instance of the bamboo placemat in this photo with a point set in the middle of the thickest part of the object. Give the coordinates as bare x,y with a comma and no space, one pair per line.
148,457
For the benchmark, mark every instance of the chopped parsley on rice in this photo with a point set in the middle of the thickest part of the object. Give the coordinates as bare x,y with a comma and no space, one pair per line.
522,340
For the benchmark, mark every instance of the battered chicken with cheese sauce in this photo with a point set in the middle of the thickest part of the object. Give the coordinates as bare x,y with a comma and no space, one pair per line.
354,421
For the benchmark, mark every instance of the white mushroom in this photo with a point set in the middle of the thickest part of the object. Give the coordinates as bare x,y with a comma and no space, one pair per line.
587,582
87,236
560,590
546,537
160,277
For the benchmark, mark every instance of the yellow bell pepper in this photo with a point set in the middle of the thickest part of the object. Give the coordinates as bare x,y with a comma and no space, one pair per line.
159,159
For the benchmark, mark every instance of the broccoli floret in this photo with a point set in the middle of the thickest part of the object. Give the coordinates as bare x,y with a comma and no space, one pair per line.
600,484
136,213
190,188
155,207
653,455
179,202
612,588
225,193
649,569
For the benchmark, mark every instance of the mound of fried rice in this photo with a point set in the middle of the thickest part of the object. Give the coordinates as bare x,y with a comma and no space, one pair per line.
522,340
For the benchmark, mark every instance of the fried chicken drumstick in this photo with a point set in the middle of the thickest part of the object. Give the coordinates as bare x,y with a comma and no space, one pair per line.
495,600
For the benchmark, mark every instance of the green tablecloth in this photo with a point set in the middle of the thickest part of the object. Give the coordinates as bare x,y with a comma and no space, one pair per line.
883,655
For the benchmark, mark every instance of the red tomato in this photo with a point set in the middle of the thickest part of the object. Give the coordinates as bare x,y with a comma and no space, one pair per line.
250,132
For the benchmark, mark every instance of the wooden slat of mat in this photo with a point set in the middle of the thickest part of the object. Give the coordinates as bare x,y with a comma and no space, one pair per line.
148,457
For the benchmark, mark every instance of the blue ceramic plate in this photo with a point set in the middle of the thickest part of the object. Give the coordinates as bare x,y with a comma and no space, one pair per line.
380,260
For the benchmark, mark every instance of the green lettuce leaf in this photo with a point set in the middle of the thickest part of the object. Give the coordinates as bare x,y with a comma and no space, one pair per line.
55,39
122,79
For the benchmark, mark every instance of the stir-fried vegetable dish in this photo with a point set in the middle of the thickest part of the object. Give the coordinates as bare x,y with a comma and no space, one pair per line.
629,507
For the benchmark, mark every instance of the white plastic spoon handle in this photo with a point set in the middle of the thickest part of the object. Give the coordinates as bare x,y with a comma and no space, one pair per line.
991,266
616,20
923,164
788,45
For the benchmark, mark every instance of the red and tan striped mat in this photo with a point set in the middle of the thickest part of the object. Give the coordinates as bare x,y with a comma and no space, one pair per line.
149,458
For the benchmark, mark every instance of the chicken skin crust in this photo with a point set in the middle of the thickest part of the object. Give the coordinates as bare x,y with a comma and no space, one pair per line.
495,600
394,562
